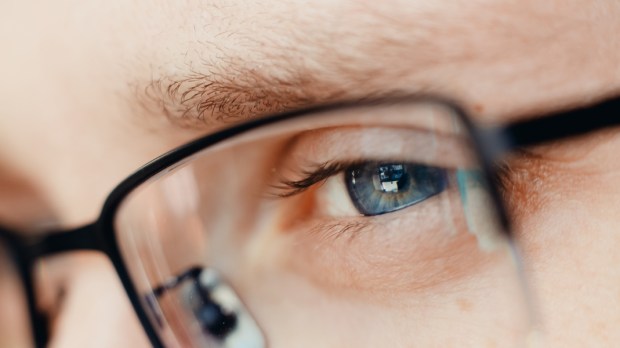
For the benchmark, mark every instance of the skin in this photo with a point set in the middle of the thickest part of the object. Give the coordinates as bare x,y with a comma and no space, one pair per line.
86,85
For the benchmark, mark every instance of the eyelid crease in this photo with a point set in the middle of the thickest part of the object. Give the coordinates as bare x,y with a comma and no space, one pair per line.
356,144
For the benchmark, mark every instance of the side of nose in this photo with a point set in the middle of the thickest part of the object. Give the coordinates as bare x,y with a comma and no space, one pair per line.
86,303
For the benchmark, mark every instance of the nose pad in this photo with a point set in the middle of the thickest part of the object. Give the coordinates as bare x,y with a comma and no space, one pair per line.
215,306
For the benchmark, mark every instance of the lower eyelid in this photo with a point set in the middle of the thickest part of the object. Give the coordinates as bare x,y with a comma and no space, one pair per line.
346,230
383,254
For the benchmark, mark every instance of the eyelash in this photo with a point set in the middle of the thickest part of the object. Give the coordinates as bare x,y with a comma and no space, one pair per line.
319,174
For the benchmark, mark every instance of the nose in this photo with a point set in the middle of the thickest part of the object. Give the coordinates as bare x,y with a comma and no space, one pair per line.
86,303
14,324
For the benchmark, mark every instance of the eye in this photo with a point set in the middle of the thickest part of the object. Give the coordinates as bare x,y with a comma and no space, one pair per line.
377,188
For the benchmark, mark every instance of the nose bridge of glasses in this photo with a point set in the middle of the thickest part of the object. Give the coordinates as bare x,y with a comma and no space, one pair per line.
81,238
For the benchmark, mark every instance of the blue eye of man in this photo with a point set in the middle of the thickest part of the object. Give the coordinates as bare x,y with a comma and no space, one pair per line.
379,188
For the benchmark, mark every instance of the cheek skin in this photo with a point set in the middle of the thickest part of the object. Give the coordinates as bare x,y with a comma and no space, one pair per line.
403,253
360,291
569,234
309,318
410,278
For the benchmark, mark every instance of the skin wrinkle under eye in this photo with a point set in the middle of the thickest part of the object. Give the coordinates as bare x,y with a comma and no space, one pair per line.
200,100
357,259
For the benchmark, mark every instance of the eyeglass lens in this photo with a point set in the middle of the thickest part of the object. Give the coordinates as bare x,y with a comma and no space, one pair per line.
367,226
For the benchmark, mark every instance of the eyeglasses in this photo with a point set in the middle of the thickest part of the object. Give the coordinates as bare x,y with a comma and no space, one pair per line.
362,224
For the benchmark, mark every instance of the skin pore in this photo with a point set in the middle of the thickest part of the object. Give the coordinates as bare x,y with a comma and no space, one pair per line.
92,90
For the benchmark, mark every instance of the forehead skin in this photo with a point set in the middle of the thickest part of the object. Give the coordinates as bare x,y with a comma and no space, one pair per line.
103,74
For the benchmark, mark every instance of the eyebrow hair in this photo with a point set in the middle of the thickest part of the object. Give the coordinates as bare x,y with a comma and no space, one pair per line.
199,100
288,69
300,72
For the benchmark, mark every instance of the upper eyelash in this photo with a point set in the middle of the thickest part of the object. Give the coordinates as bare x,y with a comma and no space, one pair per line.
321,172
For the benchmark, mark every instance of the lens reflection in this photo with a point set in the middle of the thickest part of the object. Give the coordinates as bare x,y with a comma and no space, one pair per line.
361,227
14,323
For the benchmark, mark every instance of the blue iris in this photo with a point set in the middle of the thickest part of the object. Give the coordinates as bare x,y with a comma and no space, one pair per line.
379,188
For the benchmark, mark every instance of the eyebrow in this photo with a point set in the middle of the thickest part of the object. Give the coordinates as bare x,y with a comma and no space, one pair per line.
231,87
288,69
200,100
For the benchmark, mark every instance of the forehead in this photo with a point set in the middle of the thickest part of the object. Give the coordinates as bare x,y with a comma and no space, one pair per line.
233,59
112,75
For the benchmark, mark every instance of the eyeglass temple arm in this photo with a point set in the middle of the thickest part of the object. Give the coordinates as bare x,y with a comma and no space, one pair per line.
557,126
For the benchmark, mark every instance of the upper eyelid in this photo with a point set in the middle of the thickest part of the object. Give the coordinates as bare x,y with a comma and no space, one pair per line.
354,144
318,154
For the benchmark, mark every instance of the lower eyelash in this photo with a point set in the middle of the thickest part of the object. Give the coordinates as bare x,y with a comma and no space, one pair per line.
334,230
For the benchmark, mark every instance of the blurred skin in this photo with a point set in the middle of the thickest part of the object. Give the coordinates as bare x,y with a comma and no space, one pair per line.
92,90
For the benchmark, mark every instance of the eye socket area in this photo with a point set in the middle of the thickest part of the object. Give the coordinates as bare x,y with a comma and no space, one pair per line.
273,248
368,171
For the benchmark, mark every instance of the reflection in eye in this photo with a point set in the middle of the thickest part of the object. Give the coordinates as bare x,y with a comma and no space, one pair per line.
379,188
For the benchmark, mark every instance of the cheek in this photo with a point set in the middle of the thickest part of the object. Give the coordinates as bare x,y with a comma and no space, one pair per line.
570,244
315,305
423,249
410,279
571,259
374,260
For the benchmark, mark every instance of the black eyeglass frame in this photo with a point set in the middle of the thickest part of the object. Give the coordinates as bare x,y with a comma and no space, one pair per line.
490,143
